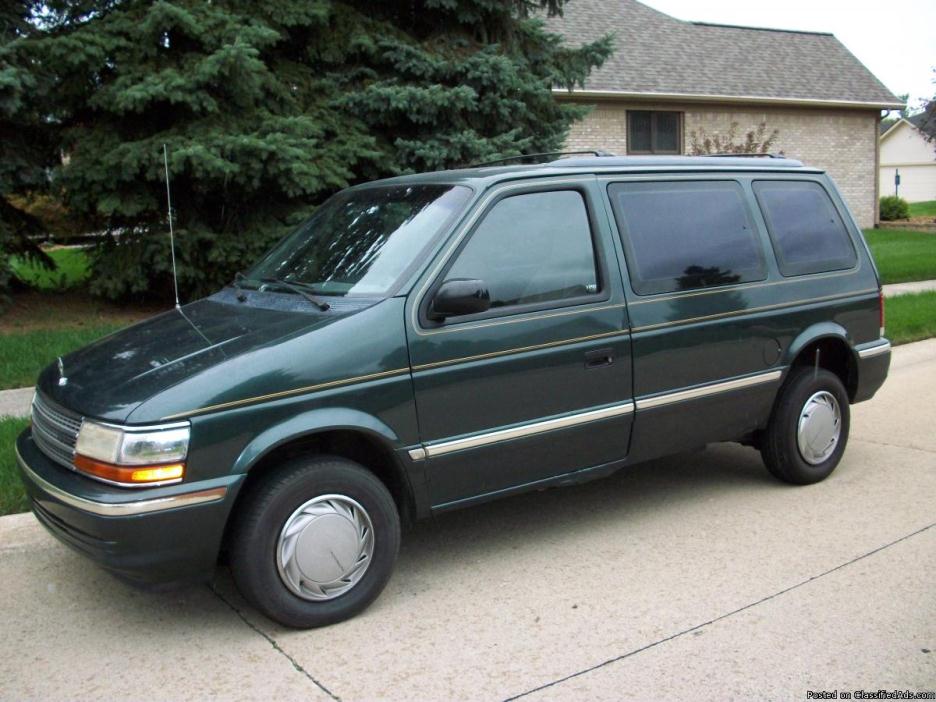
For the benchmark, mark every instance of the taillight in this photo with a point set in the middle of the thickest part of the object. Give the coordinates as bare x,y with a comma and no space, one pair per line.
881,310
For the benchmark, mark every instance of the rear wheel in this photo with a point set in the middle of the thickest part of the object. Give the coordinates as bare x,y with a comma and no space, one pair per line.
808,429
315,542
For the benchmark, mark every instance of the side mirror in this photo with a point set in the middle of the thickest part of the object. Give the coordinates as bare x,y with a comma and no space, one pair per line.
459,296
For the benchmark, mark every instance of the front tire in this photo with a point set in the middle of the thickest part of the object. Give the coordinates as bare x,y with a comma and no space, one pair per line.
315,542
808,429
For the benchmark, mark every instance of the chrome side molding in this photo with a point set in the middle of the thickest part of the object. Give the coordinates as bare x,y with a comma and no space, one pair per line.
706,390
441,448
538,427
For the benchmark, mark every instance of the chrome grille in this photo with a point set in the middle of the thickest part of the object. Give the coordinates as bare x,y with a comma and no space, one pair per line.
55,429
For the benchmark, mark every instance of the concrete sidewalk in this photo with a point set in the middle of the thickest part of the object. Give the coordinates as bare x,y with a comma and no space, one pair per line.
694,577
16,403
895,289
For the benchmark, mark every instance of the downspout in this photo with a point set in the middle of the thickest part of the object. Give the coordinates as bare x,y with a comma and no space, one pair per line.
877,171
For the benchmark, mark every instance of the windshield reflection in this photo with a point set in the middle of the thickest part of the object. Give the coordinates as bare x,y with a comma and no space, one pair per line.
361,242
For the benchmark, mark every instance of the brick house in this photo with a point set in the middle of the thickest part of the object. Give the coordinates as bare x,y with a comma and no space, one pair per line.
669,80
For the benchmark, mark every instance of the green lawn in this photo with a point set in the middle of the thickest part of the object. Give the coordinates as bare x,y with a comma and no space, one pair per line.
923,209
71,270
903,256
12,495
910,317
24,354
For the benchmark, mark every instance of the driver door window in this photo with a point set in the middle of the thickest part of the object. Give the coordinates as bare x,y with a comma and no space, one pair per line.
531,249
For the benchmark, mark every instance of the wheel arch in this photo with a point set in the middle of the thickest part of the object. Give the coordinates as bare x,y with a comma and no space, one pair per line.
835,353
347,433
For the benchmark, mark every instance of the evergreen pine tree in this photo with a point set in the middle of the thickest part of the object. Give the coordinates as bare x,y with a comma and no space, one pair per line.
27,136
268,108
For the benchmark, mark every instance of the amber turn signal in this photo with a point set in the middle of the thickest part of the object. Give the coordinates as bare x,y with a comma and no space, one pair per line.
130,475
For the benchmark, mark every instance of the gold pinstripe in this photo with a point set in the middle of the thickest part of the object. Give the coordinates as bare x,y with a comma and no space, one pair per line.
636,330
288,393
762,308
521,349
640,301
743,286
659,298
494,354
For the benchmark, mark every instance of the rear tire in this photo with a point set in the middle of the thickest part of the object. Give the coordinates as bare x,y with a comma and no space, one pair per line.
315,542
808,430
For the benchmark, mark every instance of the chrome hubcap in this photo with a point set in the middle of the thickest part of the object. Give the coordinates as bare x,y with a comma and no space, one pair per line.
325,547
820,426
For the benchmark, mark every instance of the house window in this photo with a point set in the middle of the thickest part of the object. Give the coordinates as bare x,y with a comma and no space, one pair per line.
654,132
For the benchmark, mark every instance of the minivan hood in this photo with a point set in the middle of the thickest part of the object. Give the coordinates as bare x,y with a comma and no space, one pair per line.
111,377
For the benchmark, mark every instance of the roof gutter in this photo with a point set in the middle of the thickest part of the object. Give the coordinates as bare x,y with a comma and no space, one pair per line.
730,99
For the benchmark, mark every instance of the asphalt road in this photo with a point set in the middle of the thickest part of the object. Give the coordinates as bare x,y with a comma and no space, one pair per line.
694,577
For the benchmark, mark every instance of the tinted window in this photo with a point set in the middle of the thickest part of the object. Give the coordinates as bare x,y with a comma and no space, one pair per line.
532,248
807,233
680,236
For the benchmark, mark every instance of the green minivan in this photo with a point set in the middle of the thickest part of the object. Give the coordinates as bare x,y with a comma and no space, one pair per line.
433,341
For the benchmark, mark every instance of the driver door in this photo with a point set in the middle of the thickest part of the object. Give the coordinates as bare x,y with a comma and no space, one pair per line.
539,385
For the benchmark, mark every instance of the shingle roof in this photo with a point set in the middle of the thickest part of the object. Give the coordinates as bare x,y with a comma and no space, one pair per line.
659,54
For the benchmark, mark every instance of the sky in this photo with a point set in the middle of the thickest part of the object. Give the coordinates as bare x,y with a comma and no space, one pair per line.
896,39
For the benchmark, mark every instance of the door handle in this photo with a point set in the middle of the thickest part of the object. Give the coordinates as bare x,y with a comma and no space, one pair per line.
599,358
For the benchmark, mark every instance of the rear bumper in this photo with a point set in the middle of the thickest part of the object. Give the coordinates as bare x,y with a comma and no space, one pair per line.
873,364
149,537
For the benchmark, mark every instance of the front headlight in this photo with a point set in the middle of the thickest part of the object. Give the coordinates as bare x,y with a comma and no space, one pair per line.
131,457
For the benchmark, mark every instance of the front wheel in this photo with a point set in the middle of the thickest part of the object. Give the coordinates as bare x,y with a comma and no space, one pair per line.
315,542
808,429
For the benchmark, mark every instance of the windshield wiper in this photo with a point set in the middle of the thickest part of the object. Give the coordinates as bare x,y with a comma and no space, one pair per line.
296,288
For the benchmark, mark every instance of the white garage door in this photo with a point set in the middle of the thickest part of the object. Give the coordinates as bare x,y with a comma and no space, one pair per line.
917,183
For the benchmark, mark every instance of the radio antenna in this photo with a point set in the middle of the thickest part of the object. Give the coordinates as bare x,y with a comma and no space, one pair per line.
175,275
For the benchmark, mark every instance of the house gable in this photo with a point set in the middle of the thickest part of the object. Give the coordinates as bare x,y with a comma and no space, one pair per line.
904,145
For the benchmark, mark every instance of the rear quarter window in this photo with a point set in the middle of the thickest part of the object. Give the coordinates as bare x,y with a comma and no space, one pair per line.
684,235
806,230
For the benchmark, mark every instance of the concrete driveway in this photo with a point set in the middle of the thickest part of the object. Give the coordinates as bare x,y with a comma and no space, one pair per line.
695,577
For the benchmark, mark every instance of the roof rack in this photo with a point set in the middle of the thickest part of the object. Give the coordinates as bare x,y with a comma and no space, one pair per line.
730,155
548,154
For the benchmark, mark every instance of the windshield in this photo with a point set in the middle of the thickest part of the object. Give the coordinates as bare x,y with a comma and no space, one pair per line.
361,242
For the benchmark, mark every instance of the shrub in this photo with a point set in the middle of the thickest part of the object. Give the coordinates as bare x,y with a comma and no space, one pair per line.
756,141
893,207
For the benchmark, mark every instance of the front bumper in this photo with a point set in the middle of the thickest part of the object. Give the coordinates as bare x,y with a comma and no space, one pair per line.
873,364
149,537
